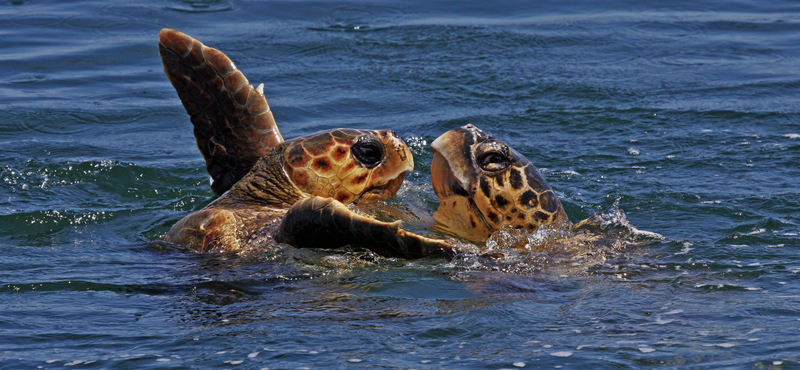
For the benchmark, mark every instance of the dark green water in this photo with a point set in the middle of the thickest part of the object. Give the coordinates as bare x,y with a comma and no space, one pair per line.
687,113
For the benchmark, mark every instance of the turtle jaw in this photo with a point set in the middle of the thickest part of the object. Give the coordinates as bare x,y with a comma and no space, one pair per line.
380,192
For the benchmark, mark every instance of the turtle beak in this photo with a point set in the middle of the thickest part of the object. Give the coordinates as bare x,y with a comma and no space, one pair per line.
453,153
398,160
445,183
390,174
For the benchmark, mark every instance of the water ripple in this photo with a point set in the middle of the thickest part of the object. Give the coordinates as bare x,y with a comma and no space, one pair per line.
200,6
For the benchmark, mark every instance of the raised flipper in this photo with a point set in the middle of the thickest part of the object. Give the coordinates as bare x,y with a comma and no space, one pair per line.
324,222
232,121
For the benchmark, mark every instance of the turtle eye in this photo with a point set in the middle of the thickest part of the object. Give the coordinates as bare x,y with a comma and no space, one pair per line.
493,162
368,151
492,156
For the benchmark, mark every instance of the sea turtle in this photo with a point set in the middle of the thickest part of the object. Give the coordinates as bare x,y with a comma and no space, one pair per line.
260,176
492,196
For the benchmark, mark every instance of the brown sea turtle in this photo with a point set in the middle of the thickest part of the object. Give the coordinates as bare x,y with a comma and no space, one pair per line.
260,176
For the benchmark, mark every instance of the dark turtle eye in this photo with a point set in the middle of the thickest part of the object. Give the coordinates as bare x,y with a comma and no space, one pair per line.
492,156
368,151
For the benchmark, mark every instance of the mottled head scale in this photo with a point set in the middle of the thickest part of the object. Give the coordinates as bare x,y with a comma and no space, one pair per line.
484,184
348,165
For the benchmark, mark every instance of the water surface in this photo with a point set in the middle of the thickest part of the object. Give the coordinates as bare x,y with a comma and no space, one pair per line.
685,113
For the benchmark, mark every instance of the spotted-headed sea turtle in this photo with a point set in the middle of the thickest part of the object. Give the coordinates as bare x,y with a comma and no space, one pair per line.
260,176
491,195
483,184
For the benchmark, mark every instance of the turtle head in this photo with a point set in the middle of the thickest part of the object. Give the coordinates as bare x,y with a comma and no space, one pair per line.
348,165
484,184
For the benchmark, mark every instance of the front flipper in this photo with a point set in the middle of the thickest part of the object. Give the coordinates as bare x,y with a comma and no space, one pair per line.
326,223
232,121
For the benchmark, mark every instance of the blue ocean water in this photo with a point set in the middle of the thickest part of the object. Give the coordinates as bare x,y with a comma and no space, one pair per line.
685,114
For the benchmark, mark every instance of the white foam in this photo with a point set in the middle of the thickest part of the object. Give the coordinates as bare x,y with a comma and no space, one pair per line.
647,349
723,345
792,136
561,354
519,364
659,321
687,246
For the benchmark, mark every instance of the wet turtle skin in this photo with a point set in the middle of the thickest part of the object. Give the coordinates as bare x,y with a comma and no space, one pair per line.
324,219
483,184
260,176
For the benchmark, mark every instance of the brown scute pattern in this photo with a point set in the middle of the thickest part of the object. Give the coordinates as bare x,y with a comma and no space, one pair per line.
542,217
515,179
535,179
518,203
517,196
298,157
322,164
528,199
485,187
340,153
233,124
500,202
549,201
318,145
